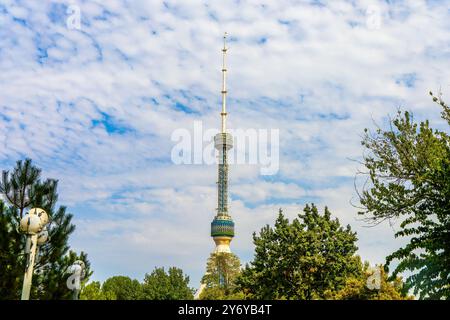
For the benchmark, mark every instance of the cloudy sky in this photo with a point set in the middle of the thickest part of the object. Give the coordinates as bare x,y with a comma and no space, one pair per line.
95,105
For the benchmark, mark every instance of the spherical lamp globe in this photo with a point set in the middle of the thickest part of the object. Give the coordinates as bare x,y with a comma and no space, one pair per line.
30,224
41,214
42,237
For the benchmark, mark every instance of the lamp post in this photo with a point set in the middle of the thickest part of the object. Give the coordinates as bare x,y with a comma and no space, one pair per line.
33,225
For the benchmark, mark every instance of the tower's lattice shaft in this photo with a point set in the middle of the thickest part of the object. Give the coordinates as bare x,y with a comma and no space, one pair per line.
222,189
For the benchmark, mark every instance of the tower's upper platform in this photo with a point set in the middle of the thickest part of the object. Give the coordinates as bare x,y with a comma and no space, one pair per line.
222,226
222,140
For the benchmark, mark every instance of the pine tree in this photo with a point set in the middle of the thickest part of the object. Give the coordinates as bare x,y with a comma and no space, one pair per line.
12,261
23,189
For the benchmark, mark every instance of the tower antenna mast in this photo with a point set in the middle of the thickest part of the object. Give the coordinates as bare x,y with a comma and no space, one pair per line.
224,85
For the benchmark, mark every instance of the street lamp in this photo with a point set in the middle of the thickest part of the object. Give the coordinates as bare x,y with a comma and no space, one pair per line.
33,225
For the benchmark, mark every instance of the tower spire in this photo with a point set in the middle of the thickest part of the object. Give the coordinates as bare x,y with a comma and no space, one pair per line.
224,85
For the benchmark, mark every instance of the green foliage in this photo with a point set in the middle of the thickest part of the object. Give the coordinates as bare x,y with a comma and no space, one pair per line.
409,174
356,288
158,285
222,270
12,261
301,260
23,189
122,288
173,285
93,291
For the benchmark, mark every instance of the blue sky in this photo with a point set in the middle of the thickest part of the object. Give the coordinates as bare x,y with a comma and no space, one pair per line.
96,107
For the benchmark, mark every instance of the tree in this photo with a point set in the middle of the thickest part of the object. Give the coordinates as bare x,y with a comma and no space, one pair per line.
93,291
222,270
23,189
122,288
12,261
409,180
357,288
300,260
172,285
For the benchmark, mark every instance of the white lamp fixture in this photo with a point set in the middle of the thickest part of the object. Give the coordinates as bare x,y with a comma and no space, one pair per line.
42,237
41,214
30,224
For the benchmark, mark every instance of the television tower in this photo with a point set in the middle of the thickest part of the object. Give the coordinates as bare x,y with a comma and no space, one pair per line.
222,227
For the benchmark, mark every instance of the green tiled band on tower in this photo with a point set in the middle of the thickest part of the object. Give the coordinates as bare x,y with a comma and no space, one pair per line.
222,226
